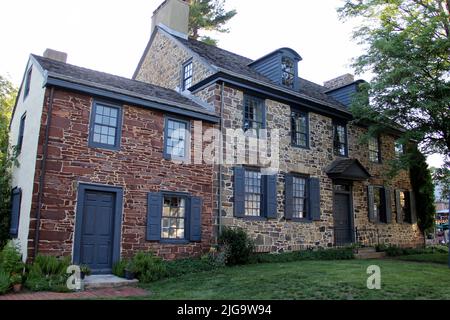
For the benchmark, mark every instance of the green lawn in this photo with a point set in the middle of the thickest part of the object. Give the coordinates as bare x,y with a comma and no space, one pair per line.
436,257
310,280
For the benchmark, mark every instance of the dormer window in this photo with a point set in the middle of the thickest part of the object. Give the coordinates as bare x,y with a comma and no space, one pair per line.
288,72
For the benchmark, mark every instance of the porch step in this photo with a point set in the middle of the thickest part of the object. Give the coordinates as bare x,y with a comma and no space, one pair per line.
107,281
369,253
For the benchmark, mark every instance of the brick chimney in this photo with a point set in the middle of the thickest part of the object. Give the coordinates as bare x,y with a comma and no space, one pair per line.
55,55
339,81
174,14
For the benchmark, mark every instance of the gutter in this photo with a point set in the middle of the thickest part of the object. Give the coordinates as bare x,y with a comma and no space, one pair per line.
219,209
42,173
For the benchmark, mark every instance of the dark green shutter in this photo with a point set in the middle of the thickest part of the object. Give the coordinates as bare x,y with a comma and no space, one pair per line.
370,203
398,206
314,199
16,198
154,213
270,195
388,204
289,197
195,217
412,207
239,192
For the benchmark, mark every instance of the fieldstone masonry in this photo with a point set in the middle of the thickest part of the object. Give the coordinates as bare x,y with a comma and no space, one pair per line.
276,235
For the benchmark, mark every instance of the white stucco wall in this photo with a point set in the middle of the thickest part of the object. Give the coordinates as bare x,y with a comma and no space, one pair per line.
23,176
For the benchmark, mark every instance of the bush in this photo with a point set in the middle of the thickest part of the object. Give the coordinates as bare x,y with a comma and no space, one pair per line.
119,268
5,283
11,259
148,267
237,245
321,254
48,273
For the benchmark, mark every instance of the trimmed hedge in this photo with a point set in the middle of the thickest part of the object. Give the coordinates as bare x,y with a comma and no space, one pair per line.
321,254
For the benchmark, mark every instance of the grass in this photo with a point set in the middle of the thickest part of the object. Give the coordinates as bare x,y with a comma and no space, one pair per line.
441,258
329,280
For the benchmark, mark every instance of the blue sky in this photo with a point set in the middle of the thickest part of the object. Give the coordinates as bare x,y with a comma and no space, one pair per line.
110,35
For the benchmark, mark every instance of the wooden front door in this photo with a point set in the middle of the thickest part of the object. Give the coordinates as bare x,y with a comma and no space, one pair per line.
342,204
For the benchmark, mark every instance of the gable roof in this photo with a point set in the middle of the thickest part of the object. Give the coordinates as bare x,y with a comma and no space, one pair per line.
348,169
237,64
131,91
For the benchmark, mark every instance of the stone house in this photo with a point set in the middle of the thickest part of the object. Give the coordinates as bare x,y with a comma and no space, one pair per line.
110,166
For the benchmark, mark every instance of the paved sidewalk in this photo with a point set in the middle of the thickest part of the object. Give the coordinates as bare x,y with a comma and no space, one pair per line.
88,294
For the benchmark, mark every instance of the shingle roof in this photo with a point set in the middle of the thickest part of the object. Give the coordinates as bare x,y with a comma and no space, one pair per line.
120,84
238,64
347,168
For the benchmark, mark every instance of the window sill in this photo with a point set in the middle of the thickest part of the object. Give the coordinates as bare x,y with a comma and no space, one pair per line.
168,241
254,218
300,220
300,147
93,145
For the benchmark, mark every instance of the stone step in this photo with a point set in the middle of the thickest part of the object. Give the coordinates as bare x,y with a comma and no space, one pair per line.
101,281
370,255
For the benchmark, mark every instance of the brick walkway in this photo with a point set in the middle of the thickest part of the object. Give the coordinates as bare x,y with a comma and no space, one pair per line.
88,294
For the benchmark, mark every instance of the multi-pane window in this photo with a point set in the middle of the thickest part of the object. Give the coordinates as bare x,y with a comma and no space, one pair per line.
288,72
399,149
173,218
299,198
374,150
106,126
378,206
21,133
253,113
176,143
404,206
253,193
26,90
299,124
187,75
340,140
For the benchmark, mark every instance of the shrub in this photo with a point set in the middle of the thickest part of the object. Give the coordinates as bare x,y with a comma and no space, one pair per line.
237,245
321,254
148,267
119,268
48,273
5,282
11,259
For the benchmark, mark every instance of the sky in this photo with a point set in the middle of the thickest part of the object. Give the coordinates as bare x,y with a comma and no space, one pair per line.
111,35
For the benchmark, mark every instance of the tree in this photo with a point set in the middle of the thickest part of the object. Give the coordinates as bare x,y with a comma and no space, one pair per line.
423,187
408,52
7,97
209,15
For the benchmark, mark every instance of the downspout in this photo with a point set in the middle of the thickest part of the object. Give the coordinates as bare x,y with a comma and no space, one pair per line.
219,209
42,173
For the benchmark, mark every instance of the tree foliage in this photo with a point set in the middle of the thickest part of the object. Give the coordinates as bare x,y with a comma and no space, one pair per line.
408,53
208,15
7,96
423,187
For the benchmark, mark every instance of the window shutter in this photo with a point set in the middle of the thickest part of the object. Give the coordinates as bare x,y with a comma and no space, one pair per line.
289,197
412,206
398,207
239,192
314,198
370,203
16,197
154,213
388,204
195,217
270,194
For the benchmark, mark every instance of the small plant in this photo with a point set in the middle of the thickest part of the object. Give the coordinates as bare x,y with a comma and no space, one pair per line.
119,268
130,270
5,282
48,273
85,271
148,267
237,244
11,259
16,281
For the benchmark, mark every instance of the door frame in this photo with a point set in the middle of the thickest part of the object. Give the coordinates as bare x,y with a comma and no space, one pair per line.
351,210
118,205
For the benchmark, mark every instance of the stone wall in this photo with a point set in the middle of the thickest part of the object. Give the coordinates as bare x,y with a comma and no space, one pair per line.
163,63
138,167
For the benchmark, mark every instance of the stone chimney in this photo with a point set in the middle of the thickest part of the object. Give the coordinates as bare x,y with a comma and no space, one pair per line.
174,14
339,81
55,55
